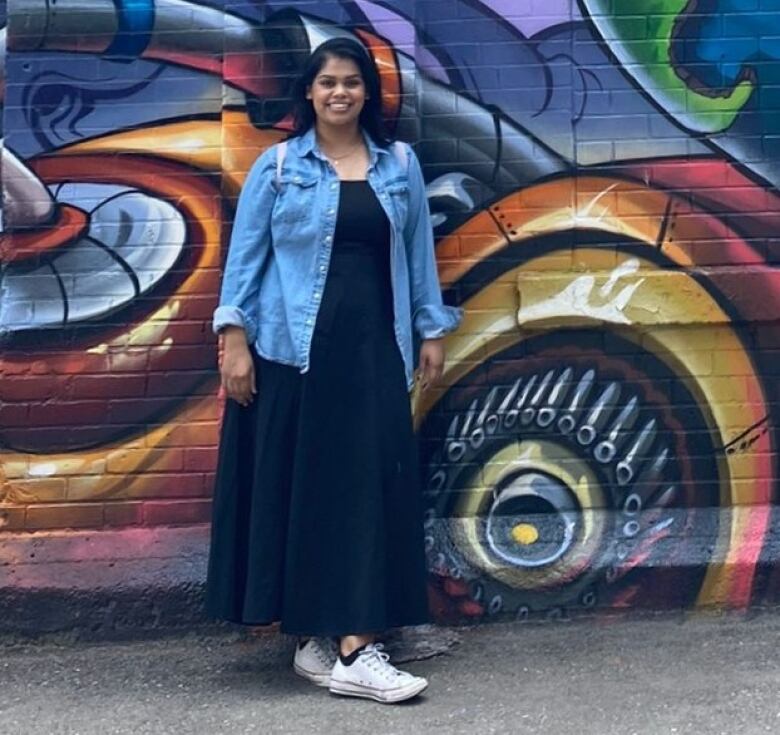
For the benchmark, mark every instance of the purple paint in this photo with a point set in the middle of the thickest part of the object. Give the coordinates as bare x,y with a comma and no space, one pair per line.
532,16
403,36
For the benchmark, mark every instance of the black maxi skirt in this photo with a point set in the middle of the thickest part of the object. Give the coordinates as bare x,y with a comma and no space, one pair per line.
317,519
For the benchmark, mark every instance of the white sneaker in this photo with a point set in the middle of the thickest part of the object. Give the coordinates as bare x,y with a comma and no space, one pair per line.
372,676
315,659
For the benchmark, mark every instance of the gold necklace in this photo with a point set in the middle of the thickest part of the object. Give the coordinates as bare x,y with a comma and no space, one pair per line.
335,160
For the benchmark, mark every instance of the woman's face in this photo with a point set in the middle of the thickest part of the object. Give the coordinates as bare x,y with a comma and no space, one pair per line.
337,93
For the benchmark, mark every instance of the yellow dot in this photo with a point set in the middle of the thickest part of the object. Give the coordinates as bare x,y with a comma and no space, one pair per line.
525,534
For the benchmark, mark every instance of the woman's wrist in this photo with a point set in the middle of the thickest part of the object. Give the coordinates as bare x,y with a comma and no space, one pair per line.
234,337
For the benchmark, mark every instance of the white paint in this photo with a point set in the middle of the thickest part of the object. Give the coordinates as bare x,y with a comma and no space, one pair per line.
577,299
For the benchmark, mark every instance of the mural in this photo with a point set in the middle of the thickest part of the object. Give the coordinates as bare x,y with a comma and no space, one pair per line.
603,179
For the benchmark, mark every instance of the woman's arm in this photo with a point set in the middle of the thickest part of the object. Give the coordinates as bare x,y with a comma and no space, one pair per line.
236,317
430,317
250,244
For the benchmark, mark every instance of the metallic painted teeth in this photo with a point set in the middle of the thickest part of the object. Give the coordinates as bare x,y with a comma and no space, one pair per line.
557,395
598,414
486,423
469,418
510,396
657,517
647,481
632,504
529,412
626,468
641,507
496,605
453,428
606,450
509,415
642,472
529,386
568,422
665,497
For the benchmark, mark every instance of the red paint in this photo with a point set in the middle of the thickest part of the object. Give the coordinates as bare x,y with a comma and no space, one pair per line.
70,224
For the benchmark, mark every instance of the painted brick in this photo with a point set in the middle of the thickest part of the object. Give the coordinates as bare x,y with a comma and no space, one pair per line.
131,460
164,513
200,459
190,435
123,514
65,515
164,384
170,485
11,518
119,415
108,386
45,490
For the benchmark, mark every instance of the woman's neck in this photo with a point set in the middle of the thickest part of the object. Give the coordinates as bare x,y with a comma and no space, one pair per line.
332,137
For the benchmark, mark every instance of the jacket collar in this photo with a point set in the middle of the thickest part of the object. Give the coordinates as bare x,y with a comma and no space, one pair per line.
307,143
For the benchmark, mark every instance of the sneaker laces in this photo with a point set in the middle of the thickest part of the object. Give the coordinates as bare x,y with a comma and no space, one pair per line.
375,658
325,650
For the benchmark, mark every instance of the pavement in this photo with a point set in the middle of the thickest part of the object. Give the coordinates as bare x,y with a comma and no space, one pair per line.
694,675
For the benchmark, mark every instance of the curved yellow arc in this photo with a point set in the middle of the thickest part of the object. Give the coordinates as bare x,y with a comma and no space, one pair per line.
666,310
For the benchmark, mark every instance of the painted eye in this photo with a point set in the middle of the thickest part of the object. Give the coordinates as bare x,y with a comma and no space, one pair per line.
547,489
112,313
132,241
587,451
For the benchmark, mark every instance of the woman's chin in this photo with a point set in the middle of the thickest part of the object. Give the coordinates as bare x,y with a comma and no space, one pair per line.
336,119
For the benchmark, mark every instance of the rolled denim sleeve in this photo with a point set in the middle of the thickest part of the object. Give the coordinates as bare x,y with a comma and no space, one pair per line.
250,244
431,319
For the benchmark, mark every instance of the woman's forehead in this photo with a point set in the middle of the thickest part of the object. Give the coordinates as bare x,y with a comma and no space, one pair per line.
336,67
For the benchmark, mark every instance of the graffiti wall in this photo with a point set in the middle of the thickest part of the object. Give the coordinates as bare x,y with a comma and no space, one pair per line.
603,180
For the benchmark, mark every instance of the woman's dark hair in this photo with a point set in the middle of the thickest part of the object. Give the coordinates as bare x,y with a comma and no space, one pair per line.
340,48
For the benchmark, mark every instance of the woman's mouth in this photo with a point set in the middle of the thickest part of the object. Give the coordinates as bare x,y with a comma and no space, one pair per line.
338,106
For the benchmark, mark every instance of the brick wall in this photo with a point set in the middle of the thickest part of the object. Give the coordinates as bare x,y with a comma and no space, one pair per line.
607,220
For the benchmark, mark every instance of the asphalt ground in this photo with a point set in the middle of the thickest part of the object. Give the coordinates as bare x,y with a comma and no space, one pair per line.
700,675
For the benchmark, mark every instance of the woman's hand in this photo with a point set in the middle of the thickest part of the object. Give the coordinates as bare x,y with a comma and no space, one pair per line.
431,362
236,367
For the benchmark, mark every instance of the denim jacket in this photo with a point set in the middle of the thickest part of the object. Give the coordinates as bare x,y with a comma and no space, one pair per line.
281,245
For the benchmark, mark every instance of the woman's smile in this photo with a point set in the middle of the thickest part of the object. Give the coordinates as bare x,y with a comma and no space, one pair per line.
338,92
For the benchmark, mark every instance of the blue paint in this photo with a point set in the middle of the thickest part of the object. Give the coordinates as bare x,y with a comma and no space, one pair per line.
717,44
136,21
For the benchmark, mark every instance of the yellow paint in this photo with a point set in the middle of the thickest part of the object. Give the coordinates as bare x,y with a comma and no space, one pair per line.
466,528
227,146
525,534
664,309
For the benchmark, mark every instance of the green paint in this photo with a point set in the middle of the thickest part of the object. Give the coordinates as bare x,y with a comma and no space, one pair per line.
640,33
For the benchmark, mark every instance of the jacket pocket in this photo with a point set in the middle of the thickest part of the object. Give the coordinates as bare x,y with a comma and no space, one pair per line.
296,197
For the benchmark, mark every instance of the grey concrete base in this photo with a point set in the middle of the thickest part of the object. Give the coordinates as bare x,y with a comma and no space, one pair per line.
697,675
104,585
137,583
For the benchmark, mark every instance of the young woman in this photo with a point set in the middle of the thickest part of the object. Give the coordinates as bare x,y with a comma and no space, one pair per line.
330,275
